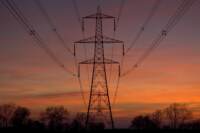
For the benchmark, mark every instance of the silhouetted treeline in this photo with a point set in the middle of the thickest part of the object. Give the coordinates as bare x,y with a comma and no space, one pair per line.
176,116
53,119
58,119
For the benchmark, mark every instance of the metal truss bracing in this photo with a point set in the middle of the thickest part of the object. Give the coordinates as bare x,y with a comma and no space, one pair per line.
99,106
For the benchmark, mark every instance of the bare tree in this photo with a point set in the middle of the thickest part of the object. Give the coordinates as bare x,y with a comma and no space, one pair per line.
55,118
20,117
157,118
78,122
177,114
143,122
6,113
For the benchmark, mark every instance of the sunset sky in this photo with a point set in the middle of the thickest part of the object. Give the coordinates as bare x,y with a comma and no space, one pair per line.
28,77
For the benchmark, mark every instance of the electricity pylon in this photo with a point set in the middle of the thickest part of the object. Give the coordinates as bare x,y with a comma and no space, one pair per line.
99,106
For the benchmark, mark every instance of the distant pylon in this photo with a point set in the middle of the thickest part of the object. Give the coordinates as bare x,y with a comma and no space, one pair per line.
99,106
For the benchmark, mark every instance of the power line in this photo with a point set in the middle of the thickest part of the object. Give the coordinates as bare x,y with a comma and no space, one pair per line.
54,29
174,19
122,4
118,82
121,7
22,20
77,12
146,22
80,83
139,34
52,25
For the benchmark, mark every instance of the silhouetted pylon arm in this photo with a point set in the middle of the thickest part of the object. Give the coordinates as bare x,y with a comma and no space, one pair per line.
92,61
106,40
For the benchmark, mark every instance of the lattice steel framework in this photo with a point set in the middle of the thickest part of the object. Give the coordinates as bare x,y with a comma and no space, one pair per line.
99,106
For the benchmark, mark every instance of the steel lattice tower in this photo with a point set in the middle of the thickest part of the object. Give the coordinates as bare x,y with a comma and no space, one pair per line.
99,106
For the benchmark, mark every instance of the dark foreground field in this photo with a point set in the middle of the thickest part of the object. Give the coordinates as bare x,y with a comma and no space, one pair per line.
11,130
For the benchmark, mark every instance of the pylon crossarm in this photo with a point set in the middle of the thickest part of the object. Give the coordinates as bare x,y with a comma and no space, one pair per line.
98,15
94,16
110,61
91,61
106,61
87,40
110,40
105,40
102,16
